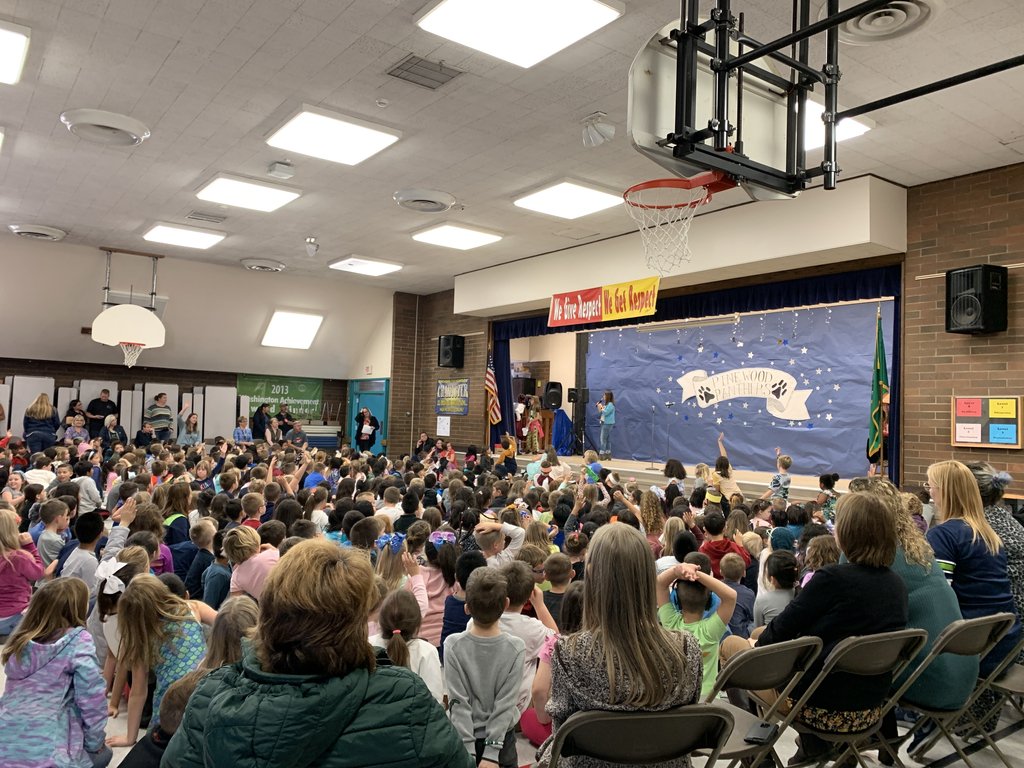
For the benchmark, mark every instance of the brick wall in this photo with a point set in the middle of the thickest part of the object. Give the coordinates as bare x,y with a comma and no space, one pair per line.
976,219
65,374
418,321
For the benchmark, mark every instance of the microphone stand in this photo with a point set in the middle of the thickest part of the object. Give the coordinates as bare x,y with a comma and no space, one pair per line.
654,413
667,433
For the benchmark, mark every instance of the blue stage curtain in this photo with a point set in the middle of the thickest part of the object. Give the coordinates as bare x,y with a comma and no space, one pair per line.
824,289
503,377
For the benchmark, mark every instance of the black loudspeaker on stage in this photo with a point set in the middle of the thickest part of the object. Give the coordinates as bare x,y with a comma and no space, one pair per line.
577,395
976,299
553,395
451,351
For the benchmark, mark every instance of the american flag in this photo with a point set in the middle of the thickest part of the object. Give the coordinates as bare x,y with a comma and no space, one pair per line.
491,385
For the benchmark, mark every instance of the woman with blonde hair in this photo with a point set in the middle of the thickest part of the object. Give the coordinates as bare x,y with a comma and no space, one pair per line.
40,424
621,659
970,553
312,675
158,634
76,431
673,527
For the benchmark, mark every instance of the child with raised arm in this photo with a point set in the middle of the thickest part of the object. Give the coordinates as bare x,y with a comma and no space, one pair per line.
778,487
490,537
692,586
722,478
483,672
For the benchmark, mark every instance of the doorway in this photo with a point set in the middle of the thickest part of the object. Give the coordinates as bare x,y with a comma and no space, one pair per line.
372,394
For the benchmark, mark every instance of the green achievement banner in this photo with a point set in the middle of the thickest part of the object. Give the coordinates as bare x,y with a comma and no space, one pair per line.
304,396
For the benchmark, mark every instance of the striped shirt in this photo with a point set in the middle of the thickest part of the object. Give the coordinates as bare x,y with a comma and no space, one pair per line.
159,416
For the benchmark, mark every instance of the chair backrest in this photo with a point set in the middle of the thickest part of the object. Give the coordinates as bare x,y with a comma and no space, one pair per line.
974,637
870,655
643,738
768,667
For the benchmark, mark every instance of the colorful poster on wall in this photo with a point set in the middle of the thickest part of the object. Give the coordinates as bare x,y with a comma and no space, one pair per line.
304,396
452,397
619,301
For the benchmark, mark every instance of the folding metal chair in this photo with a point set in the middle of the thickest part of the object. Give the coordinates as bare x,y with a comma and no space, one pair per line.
886,653
972,637
772,667
643,738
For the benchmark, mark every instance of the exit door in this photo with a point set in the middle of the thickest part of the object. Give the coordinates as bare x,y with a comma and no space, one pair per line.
372,394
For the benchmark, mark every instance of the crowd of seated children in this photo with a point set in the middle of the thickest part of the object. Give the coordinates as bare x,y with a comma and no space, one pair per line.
675,587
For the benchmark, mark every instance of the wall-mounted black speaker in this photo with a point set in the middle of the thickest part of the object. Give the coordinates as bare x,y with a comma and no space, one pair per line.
451,351
553,395
976,299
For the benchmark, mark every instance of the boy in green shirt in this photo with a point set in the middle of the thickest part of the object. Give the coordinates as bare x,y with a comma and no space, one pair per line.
692,588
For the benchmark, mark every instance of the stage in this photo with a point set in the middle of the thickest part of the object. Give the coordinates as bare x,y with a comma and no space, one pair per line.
753,484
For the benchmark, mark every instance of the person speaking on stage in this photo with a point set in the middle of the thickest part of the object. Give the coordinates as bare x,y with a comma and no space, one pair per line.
607,410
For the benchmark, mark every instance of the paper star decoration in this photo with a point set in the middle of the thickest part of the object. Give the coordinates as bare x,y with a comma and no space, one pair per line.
803,350
818,371
745,405
828,417
718,420
750,355
836,387
792,361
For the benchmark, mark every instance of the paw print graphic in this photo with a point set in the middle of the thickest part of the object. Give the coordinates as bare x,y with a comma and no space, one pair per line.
779,390
705,394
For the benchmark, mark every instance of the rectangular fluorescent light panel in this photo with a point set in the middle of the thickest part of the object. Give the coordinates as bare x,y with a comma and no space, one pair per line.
361,266
186,237
13,50
523,32
569,200
242,193
456,236
814,129
332,136
292,330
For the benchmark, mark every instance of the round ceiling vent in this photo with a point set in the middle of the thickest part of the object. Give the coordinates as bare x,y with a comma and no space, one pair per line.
896,19
424,200
262,265
103,127
38,232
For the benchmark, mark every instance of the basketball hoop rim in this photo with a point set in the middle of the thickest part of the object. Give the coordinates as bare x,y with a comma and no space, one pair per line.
711,181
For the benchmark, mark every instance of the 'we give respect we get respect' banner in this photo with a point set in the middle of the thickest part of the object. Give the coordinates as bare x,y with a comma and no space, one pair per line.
636,298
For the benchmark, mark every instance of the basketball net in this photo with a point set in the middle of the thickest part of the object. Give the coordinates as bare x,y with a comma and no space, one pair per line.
663,210
131,352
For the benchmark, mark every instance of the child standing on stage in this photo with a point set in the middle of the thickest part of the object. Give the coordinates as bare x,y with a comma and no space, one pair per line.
778,487
607,410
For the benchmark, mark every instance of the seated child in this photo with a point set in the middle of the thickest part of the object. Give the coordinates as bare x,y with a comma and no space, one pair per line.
691,587
455,616
250,565
716,545
483,674
521,587
557,570
781,571
490,537
733,571
82,563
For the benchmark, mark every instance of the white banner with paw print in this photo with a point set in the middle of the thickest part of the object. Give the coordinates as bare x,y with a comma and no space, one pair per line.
782,398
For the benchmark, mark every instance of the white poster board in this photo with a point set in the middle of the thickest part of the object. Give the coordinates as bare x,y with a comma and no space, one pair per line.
24,390
220,411
152,389
444,426
5,401
89,390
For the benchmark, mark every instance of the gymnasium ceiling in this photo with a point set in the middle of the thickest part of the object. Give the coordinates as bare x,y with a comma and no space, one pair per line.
212,78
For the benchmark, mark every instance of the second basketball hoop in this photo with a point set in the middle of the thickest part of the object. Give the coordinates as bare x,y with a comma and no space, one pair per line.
663,210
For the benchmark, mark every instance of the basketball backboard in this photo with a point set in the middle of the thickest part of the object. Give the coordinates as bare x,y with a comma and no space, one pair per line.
651,112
